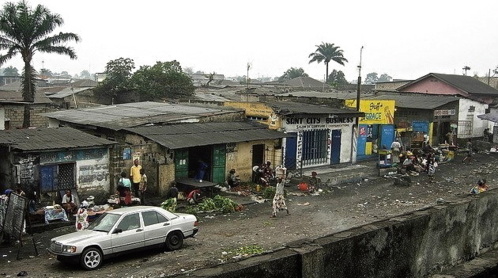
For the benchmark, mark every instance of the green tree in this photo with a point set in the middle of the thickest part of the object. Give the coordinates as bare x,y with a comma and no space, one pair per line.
337,78
292,73
46,72
118,78
162,80
325,53
10,71
371,78
385,78
85,74
25,31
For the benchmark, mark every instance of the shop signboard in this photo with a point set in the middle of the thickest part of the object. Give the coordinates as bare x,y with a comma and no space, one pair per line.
376,111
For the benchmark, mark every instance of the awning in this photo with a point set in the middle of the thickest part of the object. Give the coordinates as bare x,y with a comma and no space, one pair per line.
493,117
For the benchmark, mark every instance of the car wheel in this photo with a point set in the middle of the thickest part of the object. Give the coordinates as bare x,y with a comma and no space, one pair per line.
91,258
174,241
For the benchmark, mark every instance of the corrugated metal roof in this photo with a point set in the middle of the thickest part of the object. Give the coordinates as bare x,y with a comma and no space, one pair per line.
42,139
202,134
68,91
493,117
416,101
290,108
134,114
16,97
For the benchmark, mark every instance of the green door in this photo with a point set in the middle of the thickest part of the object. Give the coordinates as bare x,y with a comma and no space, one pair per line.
181,163
219,159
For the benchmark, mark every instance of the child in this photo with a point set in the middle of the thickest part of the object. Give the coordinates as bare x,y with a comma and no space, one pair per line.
142,187
481,187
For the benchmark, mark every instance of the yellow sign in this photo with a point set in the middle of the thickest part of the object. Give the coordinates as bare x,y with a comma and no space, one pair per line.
376,111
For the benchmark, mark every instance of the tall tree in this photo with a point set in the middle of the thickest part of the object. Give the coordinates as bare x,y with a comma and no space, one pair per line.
162,80
372,78
292,73
118,75
325,53
10,71
385,78
337,78
25,31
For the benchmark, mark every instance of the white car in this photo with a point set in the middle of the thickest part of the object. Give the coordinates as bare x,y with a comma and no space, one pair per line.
122,230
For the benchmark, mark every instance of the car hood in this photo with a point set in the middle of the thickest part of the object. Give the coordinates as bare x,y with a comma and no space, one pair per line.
80,236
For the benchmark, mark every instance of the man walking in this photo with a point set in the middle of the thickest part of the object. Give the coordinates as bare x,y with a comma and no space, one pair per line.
135,177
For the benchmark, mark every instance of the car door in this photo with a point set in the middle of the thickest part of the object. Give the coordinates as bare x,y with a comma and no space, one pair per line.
132,235
156,227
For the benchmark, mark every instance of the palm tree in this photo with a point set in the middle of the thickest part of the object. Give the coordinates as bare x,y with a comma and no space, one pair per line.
25,31
327,52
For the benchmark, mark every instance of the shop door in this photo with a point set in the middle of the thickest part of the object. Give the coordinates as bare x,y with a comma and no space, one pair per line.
387,136
57,177
181,163
219,162
290,152
258,154
335,157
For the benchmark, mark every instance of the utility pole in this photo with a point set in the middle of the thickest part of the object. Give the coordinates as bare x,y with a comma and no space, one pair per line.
356,127
359,84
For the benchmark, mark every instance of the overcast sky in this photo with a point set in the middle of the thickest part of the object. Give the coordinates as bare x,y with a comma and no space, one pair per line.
403,40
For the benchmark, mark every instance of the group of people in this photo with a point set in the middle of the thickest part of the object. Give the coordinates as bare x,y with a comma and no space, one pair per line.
263,174
414,163
136,183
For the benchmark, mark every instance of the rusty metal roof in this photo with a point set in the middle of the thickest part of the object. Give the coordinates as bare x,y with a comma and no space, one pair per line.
180,136
293,108
135,114
44,139
416,101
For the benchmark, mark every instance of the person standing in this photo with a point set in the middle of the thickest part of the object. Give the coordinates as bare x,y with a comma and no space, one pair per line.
279,199
468,157
396,150
143,186
201,170
135,176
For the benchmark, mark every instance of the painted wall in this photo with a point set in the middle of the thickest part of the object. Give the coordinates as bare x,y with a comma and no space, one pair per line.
434,86
345,125
258,110
376,111
468,112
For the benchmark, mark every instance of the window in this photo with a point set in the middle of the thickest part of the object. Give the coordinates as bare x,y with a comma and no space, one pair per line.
152,217
130,222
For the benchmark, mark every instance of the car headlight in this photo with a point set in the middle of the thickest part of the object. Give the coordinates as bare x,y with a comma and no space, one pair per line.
68,249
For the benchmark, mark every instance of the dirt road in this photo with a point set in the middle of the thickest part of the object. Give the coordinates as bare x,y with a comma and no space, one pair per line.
228,236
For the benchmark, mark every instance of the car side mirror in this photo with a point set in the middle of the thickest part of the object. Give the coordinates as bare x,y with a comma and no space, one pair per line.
117,231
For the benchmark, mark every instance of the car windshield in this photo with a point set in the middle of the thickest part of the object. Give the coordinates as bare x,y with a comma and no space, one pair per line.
104,223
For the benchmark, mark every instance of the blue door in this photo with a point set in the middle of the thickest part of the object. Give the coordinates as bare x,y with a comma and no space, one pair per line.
335,156
387,136
290,152
362,140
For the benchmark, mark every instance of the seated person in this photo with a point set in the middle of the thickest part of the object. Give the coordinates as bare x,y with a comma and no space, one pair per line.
233,179
314,182
194,197
480,187
172,192
68,203
409,165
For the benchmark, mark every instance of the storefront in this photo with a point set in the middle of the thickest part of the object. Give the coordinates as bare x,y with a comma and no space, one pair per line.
376,129
317,141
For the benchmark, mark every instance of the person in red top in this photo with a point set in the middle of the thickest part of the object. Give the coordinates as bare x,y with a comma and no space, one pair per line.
194,196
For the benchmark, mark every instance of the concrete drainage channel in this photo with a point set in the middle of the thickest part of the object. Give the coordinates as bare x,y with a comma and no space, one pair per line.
415,244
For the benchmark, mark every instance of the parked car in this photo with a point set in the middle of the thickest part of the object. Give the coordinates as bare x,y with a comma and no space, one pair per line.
123,230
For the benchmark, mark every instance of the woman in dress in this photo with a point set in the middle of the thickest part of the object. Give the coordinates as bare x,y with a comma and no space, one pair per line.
279,199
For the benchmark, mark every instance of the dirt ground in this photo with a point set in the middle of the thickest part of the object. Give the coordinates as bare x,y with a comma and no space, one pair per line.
225,237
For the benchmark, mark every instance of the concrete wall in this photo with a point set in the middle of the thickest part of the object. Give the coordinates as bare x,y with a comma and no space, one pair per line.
411,245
